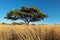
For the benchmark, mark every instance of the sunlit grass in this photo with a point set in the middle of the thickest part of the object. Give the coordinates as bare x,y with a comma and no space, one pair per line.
29,32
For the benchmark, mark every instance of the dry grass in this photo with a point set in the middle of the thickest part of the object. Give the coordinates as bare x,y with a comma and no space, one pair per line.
29,32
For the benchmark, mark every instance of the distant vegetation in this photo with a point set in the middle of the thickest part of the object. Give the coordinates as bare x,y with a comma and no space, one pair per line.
3,23
16,23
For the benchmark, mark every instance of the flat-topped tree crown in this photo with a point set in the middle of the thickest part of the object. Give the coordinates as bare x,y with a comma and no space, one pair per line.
26,14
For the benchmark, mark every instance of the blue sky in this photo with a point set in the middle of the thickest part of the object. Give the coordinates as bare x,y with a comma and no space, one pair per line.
49,7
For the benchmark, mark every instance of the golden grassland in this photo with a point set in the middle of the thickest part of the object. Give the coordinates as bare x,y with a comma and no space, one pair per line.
29,32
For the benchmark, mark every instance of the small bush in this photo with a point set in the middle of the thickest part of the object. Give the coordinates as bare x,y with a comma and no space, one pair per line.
21,23
33,24
4,23
15,23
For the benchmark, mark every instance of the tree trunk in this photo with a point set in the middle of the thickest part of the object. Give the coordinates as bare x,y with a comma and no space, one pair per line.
27,22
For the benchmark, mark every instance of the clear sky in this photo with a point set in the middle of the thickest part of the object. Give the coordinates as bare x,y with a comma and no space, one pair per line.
49,7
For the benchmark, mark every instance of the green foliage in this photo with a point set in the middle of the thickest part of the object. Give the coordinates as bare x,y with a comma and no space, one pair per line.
21,23
26,14
32,24
4,23
16,23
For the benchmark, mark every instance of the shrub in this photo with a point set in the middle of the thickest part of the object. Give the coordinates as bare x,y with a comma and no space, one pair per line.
33,24
21,23
4,23
15,23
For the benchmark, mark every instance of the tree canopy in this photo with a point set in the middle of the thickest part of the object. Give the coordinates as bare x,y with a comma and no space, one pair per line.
26,14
